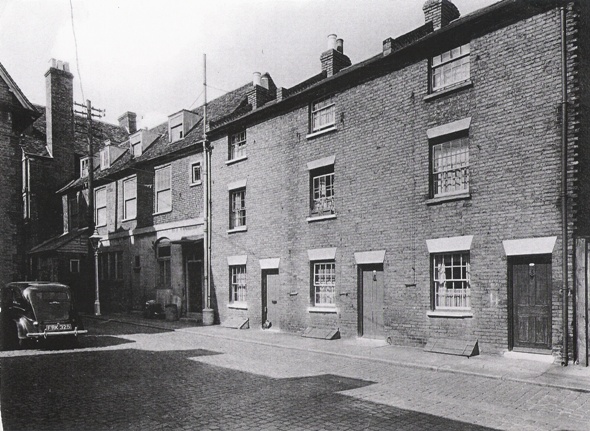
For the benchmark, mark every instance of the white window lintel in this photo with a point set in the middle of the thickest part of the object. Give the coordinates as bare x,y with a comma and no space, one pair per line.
320,163
456,243
447,129
322,254
240,184
237,260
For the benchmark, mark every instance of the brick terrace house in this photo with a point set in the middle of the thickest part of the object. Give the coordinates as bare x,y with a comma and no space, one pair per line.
422,193
149,210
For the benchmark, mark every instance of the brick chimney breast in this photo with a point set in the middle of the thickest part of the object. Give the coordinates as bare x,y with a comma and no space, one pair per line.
128,121
59,86
440,12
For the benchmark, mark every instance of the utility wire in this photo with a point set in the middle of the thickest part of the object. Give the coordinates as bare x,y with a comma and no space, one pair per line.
76,46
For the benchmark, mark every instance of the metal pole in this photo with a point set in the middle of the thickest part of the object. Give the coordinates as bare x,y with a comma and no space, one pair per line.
208,315
97,301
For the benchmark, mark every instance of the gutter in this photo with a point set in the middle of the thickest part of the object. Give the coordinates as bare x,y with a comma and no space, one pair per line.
564,241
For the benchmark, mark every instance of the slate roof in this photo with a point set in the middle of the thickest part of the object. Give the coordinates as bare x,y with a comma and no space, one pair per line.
58,242
34,139
233,101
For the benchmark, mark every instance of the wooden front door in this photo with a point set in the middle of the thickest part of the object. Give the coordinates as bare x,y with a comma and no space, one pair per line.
371,301
270,298
531,301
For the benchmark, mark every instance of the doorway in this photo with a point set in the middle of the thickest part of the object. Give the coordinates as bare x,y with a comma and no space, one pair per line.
194,279
270,299
371,301
530,280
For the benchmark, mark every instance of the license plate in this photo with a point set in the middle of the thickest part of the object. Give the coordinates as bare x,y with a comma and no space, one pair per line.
59,327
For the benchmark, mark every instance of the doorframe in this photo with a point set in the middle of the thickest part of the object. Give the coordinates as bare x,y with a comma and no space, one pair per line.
360,292
510,261
264,273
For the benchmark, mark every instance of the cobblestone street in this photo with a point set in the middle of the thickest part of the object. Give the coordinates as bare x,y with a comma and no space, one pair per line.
126,377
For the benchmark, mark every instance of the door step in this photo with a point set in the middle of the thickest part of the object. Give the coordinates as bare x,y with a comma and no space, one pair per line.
546,358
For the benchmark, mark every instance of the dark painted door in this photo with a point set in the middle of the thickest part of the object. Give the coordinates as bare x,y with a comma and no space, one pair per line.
531,301
270,298
372,282
195,285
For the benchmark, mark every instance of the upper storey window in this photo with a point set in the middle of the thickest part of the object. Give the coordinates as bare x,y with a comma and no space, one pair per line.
237,145
450,68
84,166
323,115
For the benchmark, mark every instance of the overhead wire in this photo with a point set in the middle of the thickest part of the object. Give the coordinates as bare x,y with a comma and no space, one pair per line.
76,48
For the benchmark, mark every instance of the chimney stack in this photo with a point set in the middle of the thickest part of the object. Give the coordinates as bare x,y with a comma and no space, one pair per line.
333,60
128,121
440,12
263,90
59,86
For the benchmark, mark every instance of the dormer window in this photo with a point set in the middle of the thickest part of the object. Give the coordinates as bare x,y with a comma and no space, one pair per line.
176,127
84,166
105,160
136,147
180,124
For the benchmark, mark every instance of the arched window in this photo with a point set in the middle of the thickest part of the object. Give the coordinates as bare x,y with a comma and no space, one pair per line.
163,252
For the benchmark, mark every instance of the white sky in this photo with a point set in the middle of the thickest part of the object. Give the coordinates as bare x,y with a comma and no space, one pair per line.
146,56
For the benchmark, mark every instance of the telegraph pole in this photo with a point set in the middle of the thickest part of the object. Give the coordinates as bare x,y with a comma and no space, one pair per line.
208,314
91,112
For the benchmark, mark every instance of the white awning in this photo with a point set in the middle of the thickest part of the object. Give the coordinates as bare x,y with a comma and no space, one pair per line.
322,254
270,263
368,257
455,243
525,246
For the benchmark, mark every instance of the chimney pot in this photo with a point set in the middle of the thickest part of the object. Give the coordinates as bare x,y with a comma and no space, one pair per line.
256,78
340,45
264,82
331,41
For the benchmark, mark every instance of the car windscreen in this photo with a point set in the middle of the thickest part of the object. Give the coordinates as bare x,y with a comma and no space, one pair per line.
50,305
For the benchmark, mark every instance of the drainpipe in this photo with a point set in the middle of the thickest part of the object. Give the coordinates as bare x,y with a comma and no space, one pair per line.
564,241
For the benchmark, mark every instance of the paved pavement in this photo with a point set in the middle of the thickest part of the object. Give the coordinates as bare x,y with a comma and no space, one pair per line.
524,368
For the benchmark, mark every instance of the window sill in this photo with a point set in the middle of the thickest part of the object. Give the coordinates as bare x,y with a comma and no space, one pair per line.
100,225
128,219
325,310
452,314
448,198
320,218
236,160
162,212
238,305
445,91
321,132
197,183
238,229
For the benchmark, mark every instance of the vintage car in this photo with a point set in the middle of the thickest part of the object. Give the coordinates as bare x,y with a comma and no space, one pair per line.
37,310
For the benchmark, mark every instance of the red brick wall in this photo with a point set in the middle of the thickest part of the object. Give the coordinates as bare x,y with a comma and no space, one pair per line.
381,178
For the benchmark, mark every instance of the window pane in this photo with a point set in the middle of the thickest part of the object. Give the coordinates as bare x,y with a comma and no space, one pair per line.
451,280
450,167
324,277
450,67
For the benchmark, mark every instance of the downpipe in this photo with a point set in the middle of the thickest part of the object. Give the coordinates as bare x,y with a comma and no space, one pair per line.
564,241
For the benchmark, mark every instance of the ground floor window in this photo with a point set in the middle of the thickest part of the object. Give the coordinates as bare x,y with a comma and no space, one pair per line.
451,280
324,283
238,286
